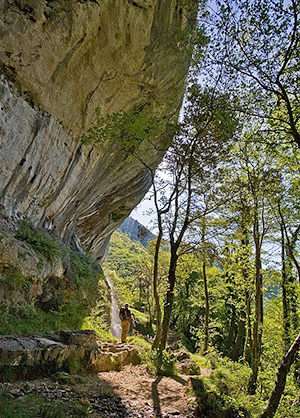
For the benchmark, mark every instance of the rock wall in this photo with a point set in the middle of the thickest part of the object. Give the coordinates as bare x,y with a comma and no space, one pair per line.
59,61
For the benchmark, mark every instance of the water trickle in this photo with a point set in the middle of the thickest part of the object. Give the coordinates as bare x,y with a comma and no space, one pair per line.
115,324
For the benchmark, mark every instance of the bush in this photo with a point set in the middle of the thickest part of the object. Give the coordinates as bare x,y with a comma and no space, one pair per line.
128,129
97,322
161,363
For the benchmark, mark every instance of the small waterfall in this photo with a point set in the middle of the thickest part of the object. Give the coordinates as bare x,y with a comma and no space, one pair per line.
115,324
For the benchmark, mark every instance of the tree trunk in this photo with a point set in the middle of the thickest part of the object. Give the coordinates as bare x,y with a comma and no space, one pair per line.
290,288
282,372
230,309
168,306
231,329
248,346
238,340
286,322
248,343
206,316
292,301
258,314
150,320
157,338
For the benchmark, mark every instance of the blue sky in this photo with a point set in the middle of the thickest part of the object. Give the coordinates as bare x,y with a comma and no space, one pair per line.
140,212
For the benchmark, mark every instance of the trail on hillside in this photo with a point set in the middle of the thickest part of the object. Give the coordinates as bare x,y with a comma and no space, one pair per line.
156,396
130,393
115,323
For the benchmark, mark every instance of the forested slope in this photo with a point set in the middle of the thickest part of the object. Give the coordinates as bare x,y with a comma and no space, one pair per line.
130,265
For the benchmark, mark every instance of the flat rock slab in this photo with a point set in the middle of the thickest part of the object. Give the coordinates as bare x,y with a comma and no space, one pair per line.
61,350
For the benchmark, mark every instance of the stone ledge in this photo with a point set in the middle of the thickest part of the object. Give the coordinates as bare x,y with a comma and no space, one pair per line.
26,355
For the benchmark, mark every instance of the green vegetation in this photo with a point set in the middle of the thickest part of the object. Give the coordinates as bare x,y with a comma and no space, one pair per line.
226,388
12,277
129,266
64,378
129,129
97,320
214,400
201,361
36,406
40,241
162,363
78,301
140,340
124,257
124,261
228,193
224,271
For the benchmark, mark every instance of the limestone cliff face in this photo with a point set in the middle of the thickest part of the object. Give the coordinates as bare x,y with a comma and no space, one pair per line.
59,61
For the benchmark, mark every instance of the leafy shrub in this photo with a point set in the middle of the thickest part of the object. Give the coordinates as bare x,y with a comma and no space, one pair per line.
97,322
201,361
161,363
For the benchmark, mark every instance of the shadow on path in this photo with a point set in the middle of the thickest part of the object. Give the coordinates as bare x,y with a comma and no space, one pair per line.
155,397
179,380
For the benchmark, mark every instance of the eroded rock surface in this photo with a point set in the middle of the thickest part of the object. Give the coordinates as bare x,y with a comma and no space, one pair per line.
52,352
60,60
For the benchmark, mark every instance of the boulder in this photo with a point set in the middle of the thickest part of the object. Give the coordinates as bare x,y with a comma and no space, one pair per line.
113,357
186,364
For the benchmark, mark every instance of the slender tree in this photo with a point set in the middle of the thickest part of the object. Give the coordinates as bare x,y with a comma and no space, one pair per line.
207,130
282,372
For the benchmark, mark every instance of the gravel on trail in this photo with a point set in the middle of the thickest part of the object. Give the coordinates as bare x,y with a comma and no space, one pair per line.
130,393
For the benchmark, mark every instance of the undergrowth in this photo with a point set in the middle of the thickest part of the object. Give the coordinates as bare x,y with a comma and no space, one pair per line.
34,406
161,363
12,277
79,299
226,389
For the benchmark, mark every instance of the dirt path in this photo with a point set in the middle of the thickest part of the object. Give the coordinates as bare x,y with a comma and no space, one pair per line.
130,393
160,396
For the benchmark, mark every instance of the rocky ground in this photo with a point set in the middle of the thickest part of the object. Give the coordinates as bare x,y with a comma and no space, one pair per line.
34,381
130,393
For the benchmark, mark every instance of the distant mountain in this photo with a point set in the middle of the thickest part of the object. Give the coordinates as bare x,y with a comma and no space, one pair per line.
136,231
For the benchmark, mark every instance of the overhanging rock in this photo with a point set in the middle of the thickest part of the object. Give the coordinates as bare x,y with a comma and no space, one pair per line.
59,61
